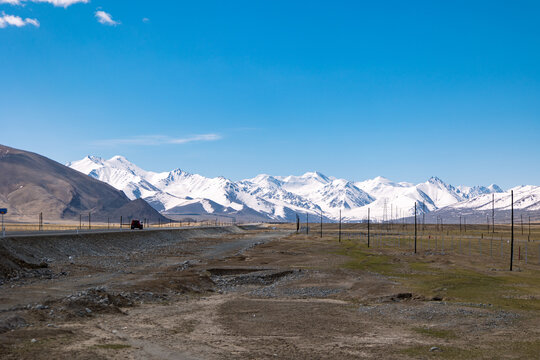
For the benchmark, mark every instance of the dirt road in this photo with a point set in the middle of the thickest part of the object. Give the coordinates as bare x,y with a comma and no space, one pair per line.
240,294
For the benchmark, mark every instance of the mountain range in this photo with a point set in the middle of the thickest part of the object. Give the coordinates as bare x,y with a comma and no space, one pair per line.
278,198
31,184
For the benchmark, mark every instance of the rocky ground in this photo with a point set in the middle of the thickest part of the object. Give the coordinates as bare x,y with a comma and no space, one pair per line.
252,294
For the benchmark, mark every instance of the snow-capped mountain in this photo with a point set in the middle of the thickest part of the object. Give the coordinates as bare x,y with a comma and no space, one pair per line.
312,191
120,173
472,192
526,197
480,209
267,197
164,191
393,200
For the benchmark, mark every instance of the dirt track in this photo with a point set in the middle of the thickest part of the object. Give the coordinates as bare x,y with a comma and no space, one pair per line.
233,294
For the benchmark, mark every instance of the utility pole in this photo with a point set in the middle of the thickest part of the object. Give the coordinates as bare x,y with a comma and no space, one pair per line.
80,221
415,232
368,234
512,244
529,238
307,224
521,223
493,213
321,224
339,235
424,216
3,212
89,221
384,212
391,215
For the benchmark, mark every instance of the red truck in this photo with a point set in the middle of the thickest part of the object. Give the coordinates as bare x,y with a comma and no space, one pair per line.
136,224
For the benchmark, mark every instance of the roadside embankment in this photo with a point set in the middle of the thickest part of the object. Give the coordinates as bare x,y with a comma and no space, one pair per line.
25,253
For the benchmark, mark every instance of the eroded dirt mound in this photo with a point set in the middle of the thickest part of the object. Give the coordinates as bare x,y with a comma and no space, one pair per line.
13,265
11,322
86,303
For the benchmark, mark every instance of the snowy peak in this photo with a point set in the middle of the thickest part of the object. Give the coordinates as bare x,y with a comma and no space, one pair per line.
88,163
344,194
316,176
94,162
494,189
94,159
439,192
176,175
266,181
305,183
436,180
378,185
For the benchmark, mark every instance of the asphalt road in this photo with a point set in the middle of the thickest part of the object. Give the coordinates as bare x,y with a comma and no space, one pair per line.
93,231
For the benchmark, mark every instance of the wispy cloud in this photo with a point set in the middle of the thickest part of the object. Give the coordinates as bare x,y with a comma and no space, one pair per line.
12,20
57,3
145,20
105,18
155,140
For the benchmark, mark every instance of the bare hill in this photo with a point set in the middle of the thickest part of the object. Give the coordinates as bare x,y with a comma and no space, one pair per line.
31,184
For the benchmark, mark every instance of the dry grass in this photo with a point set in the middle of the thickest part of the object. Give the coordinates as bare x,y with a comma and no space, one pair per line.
454,277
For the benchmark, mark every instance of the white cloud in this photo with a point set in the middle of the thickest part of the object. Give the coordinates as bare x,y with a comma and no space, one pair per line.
145,20
105,18
58,3
62,3
12,20
11,2
154,140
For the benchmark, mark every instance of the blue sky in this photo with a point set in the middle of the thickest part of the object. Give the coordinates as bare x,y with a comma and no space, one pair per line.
353,89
